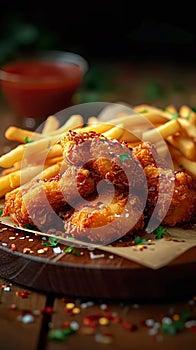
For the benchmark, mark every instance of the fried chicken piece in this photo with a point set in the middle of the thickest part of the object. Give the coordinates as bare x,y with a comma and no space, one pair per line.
111,161
14,205
146,154
40,201
108,158
36,204
171,194
183,205
137,184
105,219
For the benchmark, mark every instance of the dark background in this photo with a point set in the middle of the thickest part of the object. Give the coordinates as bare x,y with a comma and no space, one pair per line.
137,52
102,30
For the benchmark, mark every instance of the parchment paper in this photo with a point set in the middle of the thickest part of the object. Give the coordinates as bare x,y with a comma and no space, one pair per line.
154,254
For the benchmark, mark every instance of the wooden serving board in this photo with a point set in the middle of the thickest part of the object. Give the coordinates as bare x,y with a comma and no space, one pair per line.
26,261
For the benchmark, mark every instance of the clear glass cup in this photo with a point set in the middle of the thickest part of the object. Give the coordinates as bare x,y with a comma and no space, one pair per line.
40,85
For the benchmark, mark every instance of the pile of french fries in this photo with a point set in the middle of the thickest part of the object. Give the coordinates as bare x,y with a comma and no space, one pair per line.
39,155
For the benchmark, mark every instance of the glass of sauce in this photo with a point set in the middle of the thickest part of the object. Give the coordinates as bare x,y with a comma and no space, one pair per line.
43,84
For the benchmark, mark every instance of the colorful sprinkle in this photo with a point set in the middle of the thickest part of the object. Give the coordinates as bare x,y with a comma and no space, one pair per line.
103,339
103,321
28,318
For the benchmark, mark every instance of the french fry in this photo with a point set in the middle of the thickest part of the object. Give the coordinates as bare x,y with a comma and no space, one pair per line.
134,121
183,162
153,112
185,145
38,151
99,128
112,111
15,167
131,137
51,124
188,114
4,185
6,181
50,171
185,111
171,109
15,155
42,145
120,110
188,128
93,120
53,160
24,175
35,151
74,121
21,135
114,133
169,128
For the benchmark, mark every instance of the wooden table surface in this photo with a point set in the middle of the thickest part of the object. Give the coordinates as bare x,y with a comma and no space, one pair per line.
28,320
33,320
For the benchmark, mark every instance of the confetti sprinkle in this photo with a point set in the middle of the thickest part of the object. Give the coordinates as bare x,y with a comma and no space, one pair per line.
3,229
69,306
23,294
76,310
26,250
13,247
103,321
111,256
41,251
103,339
61,334
96,256
129,326
167,320
7,288
149,322
47,310
28,318
74,325
57,250
104,307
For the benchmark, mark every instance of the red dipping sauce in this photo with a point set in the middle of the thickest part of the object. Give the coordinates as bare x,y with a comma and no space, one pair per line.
40,87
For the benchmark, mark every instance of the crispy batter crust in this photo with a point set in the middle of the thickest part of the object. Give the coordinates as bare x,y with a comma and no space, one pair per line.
137,183
172,193
103,222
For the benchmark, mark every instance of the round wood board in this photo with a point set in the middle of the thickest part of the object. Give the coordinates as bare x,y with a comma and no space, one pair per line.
36,266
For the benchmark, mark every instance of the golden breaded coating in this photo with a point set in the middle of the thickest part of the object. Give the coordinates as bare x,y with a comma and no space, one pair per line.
102,222
183,204
39,202
171,193
108,158
104,191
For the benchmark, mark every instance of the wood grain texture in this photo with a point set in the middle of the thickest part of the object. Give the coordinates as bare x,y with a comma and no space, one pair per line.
122,339
16,335
12,307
